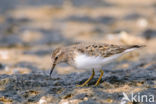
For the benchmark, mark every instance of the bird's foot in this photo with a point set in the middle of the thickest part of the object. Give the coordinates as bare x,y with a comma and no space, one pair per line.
98,81
86,82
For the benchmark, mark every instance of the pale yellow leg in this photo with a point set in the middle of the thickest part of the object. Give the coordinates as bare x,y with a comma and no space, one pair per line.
86,82
98,81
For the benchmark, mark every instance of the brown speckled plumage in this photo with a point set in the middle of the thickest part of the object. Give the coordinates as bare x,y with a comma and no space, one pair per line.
100,49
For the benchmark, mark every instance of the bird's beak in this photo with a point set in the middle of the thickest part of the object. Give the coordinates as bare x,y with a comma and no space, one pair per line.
52,68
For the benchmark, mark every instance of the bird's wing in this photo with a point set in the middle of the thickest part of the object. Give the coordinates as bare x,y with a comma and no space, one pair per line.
104,50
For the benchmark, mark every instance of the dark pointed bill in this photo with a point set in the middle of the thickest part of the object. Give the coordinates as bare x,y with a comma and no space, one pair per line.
52,68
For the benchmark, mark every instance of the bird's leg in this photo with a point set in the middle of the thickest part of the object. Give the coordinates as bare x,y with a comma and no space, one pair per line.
98,81
86,82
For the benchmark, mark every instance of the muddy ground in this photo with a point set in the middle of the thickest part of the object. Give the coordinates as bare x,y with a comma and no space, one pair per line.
30,30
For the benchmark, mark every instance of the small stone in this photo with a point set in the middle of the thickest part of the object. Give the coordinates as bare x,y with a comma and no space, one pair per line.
142,22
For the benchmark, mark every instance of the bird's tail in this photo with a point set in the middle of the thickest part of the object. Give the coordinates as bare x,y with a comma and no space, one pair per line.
133,47
137,46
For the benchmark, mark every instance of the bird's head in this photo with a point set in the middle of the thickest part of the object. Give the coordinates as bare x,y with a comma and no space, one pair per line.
58,56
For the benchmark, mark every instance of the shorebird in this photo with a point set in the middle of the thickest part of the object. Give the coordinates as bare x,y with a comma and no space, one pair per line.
89,56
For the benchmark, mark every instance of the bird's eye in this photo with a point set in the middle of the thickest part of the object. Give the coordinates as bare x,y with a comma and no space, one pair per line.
56,57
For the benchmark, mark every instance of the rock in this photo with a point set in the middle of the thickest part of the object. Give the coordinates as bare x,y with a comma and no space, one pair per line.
142,22
90,3
149,34
132,16
86,19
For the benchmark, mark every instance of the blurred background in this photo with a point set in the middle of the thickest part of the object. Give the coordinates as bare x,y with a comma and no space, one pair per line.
34,28
31,29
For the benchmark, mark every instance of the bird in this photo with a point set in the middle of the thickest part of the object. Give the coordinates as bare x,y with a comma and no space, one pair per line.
89,56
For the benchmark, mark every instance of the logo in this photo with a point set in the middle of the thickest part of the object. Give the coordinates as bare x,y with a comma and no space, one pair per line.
136,98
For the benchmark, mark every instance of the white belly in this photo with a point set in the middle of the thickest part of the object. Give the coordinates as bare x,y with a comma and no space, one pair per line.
83,61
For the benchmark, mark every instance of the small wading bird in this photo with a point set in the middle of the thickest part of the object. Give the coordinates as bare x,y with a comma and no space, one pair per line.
89,56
